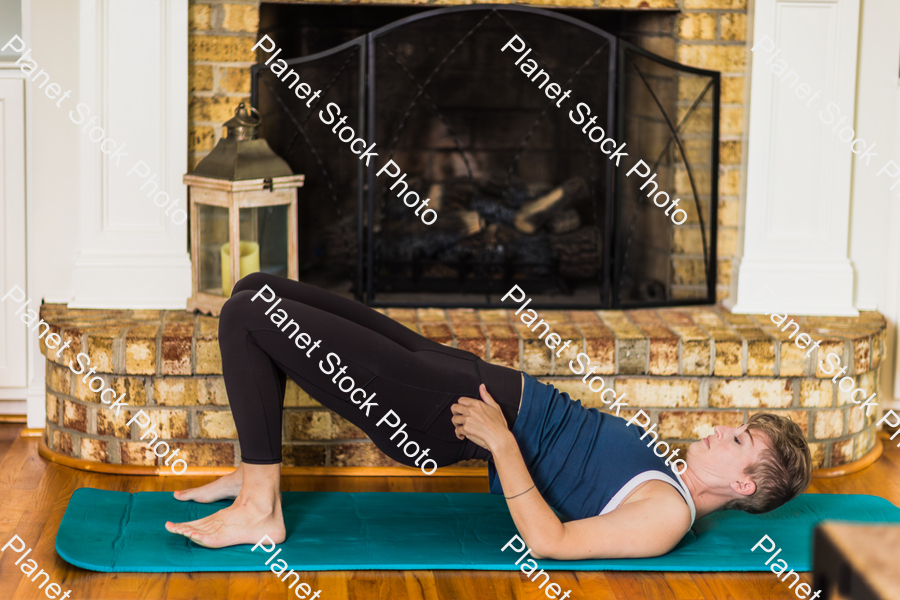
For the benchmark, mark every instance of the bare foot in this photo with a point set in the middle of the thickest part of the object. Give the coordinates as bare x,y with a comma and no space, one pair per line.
227,486
245,522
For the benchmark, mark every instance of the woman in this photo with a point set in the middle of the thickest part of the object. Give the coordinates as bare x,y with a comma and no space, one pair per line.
619,499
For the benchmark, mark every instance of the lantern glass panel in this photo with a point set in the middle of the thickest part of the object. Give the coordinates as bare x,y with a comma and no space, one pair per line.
213,235
266,227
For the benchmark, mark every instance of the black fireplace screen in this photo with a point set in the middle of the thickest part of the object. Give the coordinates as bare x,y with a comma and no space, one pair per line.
519,174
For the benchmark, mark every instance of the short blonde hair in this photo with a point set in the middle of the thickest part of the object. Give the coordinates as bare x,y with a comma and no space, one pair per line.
784,468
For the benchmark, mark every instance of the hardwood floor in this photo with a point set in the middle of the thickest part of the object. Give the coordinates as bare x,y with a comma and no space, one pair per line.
34,495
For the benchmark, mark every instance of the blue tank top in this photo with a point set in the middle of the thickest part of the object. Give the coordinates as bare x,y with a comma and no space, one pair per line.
584,462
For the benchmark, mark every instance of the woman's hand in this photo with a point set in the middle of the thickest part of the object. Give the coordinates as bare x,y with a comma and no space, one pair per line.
481,422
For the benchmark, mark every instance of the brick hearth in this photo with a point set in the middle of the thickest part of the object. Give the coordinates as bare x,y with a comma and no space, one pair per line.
688,368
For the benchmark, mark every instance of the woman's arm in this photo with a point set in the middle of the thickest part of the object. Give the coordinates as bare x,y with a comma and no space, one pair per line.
484,424
651,523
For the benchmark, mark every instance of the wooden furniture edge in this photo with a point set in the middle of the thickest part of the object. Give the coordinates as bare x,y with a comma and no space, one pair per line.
853,467
95,467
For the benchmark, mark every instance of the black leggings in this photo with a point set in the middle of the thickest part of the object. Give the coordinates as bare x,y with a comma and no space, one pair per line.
354,360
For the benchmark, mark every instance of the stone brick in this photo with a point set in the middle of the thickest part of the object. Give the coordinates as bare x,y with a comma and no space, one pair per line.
168,424
861,353
431,315
504,344
732,90
580,390
211,390
751,392
600,346
462,315
133,387
562,356
731,119
209,357
663,359
818,455
828,424
800,417
733,26
864,444
94,450
296,455
359,455
140,350
841,453
535,352
220,48
697,26
687,240
201,138
794,361
857,421
715,4
215,109
176,348
717,58
730,152
199,16
82,390
866,382
74,416
109,424
729,185
669,392
309,425
437,332
761,357
136,453
207,454
728,349
816,393
59,378
695,425
216,425
200,78
241,17
825,348
62,443
175,391
342,429
100,349
295,396
471,338
52,403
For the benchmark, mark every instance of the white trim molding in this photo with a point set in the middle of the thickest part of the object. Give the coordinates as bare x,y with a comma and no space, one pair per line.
134,81
797,209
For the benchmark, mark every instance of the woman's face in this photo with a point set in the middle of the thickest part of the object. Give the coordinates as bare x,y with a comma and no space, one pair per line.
721,458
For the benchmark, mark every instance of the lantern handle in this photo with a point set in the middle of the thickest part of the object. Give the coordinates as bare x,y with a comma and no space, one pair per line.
252,110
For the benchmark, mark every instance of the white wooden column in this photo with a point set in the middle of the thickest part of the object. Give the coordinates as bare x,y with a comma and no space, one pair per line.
133,77
797,206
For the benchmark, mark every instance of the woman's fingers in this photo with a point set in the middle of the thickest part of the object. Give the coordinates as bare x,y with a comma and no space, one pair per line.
486,396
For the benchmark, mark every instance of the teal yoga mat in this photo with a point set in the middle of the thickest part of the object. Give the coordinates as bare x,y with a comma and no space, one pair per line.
327,531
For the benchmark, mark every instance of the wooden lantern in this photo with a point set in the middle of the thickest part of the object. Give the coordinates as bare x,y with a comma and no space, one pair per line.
243,207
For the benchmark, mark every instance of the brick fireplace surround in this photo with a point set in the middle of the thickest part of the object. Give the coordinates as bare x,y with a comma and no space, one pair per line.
689,368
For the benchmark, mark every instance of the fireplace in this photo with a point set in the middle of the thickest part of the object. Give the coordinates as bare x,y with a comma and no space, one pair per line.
523,196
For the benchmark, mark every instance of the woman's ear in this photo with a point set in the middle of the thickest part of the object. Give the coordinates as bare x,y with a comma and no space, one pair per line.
744,487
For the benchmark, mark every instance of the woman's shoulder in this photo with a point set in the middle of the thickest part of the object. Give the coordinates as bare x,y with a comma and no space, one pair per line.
660,495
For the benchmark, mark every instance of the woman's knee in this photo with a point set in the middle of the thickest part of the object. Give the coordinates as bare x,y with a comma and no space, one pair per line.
236,312
253,281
